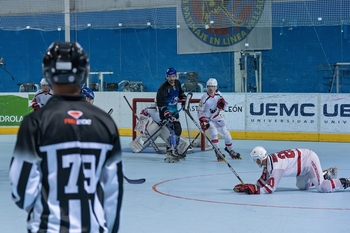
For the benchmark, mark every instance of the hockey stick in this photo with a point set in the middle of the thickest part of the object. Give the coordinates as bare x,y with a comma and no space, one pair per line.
189,136
110,111
130,181
215,113
190,145
164,122
216,150
135,181
153,144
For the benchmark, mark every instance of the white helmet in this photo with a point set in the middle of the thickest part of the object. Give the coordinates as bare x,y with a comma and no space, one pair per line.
258,152
44,82
212,82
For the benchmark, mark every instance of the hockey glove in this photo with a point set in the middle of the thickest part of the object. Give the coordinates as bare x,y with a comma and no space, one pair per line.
238,188
167,115
204,123
35,106
143,112
221,104
183,102
251,189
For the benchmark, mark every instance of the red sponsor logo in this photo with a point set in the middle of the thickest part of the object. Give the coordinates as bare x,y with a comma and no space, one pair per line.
75,114
75,120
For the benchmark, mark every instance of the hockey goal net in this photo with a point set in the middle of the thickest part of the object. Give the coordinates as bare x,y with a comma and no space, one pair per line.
189,129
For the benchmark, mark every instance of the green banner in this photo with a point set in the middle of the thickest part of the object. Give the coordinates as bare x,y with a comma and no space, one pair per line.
13,109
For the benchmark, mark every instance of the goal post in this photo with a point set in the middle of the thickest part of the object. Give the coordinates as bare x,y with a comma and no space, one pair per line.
140,103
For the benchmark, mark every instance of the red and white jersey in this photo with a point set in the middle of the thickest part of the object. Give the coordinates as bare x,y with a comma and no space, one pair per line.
303,164
284,163
41,98
208,106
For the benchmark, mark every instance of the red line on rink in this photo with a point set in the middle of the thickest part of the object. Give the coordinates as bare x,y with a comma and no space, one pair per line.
154,187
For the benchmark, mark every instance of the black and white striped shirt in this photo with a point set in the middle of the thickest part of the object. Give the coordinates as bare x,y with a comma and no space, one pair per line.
66,169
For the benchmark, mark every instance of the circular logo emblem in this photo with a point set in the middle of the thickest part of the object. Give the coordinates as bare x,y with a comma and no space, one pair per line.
221,23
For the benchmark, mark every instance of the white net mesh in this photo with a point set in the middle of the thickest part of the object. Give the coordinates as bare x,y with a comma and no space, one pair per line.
161,14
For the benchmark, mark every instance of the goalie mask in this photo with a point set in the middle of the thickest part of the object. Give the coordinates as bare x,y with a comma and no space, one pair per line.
65,63
258,153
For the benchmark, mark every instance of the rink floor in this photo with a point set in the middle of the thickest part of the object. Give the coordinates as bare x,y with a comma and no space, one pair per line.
196,196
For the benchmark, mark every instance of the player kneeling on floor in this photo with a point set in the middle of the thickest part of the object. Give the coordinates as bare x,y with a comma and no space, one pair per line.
304,164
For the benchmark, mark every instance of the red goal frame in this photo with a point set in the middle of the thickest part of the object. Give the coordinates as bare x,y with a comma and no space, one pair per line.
145,100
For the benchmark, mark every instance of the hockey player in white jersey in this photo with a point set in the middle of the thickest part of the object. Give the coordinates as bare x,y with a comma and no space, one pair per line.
208,106
149,120
42,96
304,164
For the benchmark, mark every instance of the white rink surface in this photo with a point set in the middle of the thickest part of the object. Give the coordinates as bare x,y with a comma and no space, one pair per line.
195,196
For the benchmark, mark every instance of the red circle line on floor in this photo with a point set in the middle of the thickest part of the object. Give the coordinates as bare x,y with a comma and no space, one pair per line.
154,187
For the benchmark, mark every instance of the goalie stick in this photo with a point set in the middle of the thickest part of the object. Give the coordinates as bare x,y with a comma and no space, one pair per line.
130,181
187,111
190,145
189,148
163,123
153,144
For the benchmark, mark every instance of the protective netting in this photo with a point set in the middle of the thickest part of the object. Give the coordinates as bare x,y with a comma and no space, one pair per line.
161,14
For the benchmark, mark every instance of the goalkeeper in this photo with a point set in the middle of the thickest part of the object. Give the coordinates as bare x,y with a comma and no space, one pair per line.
149,124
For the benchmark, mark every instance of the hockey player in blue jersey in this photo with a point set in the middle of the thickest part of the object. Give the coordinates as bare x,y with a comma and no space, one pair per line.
89,94
168,96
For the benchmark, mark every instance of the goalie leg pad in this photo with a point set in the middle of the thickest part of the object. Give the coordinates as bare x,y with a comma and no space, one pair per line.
152,128
183,144
164,134
137,144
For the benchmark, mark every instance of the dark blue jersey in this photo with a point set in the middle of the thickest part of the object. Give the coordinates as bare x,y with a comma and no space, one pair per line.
168,96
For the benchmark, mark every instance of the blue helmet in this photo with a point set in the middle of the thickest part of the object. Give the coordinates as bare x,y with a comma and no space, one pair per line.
170,71
88,93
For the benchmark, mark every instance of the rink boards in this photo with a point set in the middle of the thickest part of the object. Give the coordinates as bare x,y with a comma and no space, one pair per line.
268,116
